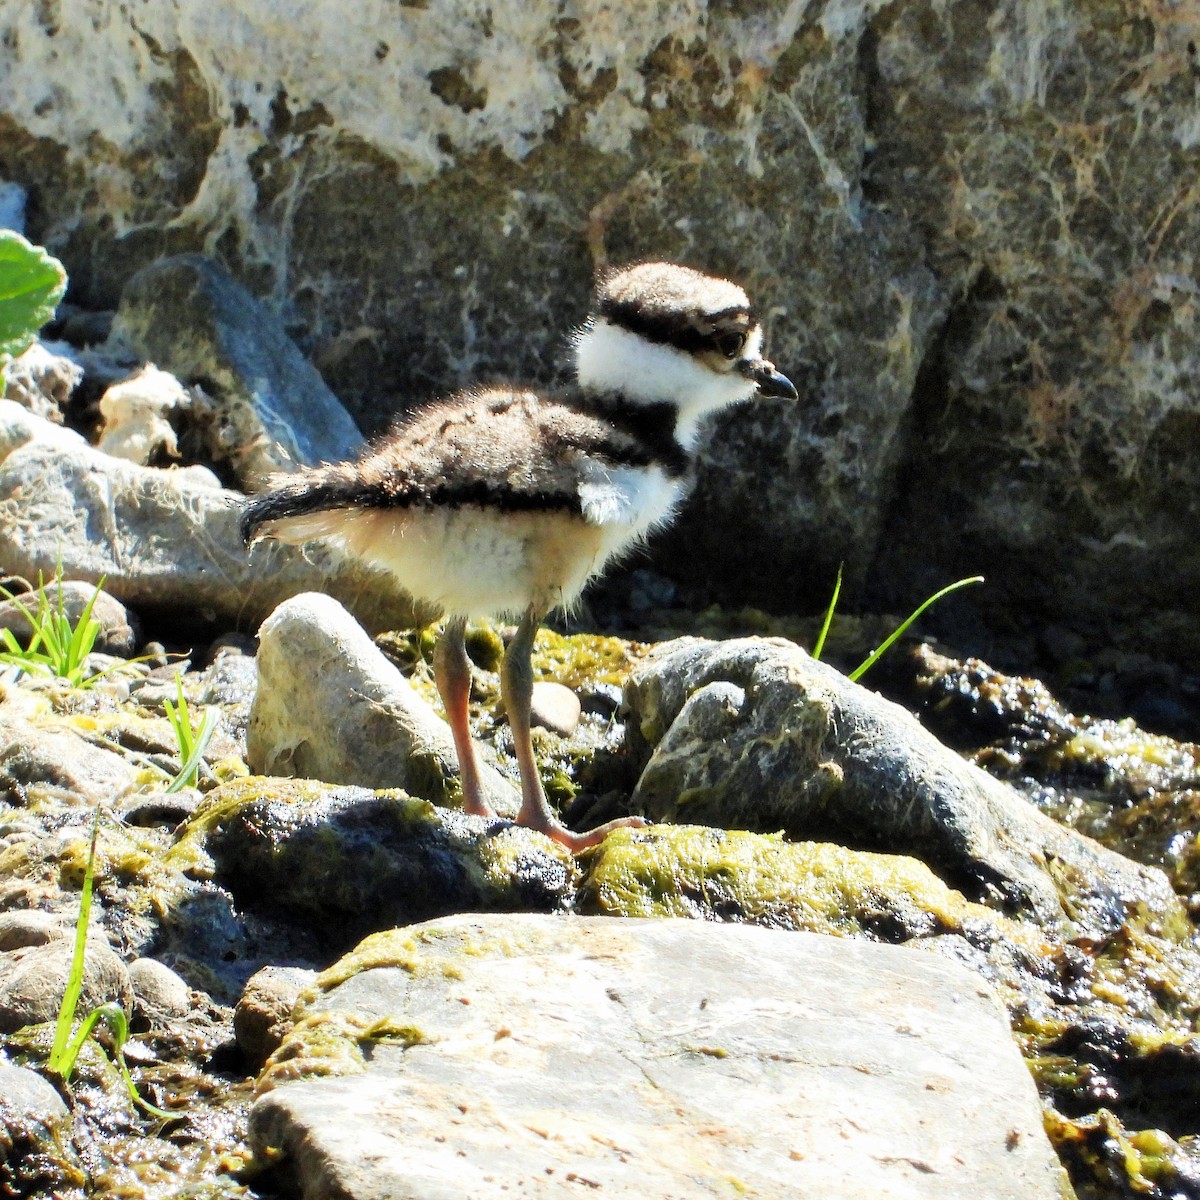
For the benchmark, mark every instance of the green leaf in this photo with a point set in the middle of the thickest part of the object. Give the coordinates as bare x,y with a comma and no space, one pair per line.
32,283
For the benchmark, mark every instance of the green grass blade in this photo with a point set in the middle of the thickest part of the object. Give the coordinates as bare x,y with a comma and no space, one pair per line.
819,644
59,1062
118,1023
191,765
183,719
113,1015
896,633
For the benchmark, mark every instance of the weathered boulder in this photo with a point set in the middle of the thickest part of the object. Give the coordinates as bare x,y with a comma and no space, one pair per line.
271,409
753,733
336,863
330,706
490,1057
970,230
161,540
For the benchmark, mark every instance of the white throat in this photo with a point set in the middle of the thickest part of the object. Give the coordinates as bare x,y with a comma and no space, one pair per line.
609,358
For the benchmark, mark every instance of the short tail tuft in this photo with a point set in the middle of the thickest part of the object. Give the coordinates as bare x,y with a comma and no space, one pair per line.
300,496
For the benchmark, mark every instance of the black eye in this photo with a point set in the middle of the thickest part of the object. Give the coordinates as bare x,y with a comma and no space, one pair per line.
730,344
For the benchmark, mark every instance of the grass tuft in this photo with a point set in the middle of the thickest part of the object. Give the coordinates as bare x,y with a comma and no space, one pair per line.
64,1052
193,744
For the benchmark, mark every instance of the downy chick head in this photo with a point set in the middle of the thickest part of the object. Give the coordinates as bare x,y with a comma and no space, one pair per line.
666,334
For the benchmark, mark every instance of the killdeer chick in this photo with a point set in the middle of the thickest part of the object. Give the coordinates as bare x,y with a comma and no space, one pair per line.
505,502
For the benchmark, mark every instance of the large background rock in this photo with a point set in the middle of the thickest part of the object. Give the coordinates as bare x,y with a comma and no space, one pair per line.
970,228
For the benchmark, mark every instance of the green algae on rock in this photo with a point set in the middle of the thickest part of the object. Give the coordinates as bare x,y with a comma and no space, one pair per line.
1105,1158
732,875
349,860
755,734
1132,790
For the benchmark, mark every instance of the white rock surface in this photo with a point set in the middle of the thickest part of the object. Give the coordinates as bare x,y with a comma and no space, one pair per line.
135,413
161,538
330,706
42,379
680,1059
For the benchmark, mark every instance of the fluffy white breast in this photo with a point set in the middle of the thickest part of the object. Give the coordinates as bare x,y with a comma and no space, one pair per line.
631,499
611,359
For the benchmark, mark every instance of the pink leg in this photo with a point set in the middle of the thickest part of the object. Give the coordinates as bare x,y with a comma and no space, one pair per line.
452,672
516,680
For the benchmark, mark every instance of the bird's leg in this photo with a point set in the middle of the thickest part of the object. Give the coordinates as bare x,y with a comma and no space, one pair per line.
516,680
452,672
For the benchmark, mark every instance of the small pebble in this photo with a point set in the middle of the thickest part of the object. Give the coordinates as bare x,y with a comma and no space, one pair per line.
555,707
158,990
263,1015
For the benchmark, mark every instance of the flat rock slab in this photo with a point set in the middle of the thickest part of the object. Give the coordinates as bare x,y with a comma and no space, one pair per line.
628,1058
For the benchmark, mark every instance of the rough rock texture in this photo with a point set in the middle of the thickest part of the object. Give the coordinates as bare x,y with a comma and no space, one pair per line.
346,861
162,541
272,410
42,380
32,1121
753,733
31,927
58,762
660,1058
970,229
263,1014
329,706
33,979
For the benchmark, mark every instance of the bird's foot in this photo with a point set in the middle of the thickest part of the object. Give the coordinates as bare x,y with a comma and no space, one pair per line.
476,806
575,842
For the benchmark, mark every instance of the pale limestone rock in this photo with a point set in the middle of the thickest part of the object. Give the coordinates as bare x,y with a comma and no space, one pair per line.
42,380
536,1055
136,411
330,706
19,426
160,538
